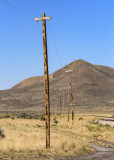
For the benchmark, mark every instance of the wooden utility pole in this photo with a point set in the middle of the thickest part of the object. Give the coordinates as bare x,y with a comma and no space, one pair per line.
60,104
68,104
46,77
63,103
71,99
69,71
57,108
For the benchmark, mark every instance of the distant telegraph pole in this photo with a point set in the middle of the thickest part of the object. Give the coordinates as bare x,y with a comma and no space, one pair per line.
57,108
63,103
69,71
46,77
60,104
68,104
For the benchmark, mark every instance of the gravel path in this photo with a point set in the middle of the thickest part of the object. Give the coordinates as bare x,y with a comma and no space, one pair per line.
102,153
111,123
105,120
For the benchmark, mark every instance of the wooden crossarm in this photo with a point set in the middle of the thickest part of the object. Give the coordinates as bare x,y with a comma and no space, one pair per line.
42,18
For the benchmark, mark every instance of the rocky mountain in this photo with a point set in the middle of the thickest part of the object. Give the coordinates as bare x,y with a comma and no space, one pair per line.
93,89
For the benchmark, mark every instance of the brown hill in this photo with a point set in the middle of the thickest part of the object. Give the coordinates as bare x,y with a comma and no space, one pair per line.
93,88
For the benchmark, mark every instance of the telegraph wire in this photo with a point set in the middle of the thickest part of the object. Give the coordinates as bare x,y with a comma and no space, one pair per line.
51,59
30,16
67,75
19,10
57,53
16,7
55,46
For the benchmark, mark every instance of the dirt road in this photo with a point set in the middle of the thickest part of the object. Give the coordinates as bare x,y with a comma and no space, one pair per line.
102,153
105,120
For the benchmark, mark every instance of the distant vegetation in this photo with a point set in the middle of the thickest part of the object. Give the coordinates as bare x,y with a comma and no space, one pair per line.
23,116
2,135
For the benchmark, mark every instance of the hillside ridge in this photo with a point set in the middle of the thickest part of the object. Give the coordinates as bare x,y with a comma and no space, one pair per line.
93,86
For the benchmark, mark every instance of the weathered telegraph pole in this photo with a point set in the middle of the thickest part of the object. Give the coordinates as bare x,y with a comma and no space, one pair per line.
57,108
63,103
68,104
46,77
69,71
60,104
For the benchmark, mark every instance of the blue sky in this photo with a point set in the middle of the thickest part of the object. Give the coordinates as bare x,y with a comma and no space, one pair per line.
79,29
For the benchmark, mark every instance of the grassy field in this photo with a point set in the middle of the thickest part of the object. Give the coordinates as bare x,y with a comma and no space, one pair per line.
25,138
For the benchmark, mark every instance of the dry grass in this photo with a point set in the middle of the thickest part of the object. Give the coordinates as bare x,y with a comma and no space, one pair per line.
27,137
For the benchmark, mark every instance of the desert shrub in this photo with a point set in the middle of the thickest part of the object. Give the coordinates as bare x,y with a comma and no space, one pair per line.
2,135
98,127
64,145
94,128
38,125
104,125
22,115
55,121
107,126
13,118
1,116
42,118
91,128
6,115
28,116
80,118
